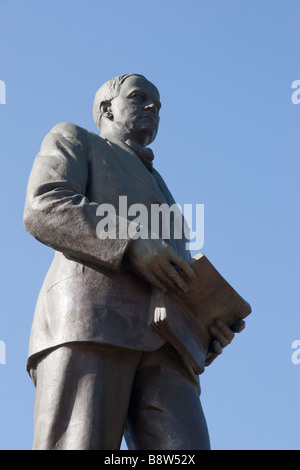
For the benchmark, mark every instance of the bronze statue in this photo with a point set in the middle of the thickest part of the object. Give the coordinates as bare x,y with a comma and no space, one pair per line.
98,369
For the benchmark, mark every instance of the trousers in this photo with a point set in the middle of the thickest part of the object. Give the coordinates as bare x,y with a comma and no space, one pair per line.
89,395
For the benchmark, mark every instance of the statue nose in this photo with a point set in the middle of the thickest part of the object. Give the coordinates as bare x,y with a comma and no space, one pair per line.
152,107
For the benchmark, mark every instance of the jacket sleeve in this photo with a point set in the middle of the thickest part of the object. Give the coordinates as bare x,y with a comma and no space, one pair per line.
57,212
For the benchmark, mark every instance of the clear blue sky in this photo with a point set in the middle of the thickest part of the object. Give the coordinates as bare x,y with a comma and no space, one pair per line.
229,139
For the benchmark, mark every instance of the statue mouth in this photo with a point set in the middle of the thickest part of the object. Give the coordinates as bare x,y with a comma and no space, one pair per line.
151,119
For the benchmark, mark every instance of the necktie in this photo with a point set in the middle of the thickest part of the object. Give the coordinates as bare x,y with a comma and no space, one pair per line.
145,154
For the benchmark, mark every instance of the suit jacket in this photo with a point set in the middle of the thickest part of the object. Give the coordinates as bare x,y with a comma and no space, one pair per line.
88,294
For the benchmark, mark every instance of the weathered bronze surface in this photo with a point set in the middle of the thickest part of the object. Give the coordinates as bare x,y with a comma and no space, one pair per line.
98,369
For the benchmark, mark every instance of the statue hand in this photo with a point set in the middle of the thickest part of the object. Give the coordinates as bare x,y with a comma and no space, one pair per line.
156,262
223,335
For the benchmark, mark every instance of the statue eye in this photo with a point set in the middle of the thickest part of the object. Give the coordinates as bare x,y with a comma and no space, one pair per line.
137,96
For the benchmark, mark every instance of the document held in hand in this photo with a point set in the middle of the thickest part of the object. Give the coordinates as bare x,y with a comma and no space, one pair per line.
185,319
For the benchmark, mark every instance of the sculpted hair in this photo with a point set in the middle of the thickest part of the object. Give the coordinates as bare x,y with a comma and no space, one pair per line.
107,92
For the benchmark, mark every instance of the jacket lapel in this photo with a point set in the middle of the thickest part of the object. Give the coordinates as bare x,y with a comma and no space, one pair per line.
132,164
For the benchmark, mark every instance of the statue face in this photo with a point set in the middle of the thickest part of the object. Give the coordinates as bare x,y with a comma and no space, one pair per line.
135,110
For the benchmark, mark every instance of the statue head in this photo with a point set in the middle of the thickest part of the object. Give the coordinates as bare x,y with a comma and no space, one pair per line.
128,108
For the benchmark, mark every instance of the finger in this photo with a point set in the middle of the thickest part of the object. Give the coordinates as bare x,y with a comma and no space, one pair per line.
210,358
223,338
175,277
214,351
182,264
152,279
238,327
163,277
216,347
225,329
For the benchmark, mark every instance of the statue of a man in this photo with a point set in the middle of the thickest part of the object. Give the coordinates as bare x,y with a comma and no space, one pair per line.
99,371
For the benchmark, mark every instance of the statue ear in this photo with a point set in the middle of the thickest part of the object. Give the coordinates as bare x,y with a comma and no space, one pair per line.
105,109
